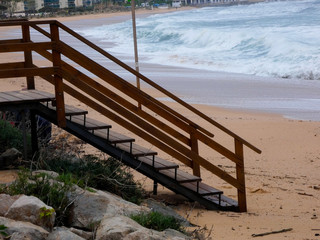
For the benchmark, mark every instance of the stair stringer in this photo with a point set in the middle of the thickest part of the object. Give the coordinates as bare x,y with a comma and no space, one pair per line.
130,161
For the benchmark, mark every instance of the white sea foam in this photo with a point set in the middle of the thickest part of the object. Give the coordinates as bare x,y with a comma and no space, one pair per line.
266,39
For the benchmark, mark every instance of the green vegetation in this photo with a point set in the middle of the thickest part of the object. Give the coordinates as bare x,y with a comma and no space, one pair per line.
91,172
157,221
10,137
46,213
2,230
52,193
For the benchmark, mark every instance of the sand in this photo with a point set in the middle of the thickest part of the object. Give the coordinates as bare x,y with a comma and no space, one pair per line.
283,183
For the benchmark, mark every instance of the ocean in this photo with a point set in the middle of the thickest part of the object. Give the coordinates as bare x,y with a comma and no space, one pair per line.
262,57
277,39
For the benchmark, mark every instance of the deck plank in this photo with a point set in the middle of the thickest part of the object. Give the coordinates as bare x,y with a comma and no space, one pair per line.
136,151
17,97
159,163
70,110
113,137
204,189
89,123
182,177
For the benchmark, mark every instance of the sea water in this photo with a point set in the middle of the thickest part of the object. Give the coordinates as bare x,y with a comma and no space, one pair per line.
278,39
261,57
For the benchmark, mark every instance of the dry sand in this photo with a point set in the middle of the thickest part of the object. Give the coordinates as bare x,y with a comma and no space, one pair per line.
283,183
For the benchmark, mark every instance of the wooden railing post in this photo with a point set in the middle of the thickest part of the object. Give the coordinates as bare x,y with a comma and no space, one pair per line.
27,55
242,200
194,148
56,61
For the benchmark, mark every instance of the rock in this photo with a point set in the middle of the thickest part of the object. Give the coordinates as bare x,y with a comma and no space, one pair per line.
23,230
29,209
51,174
167,211
61,233
9,157
174,235
118,227
90,208
5,202
122,227
81,233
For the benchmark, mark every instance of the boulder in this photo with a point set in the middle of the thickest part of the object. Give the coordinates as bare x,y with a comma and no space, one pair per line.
51,174
122,227
5,202
61,233
90,208
81,233
23,230
9,157
30,209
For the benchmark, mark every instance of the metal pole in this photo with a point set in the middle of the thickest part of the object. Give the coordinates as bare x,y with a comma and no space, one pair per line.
135,43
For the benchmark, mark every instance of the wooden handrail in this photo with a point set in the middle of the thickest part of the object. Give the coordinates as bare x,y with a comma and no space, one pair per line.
158,87
151,83
139,121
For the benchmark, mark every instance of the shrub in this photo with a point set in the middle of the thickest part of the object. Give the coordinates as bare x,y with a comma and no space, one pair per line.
2,230
90,171
157,221
52,193
10,137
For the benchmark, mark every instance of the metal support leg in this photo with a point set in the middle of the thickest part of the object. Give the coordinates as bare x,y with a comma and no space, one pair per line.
155,187
34,135
24,134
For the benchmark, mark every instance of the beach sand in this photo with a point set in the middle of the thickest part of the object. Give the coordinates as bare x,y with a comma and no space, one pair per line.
283,183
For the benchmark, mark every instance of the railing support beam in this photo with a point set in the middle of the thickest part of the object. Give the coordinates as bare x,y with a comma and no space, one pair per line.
56,60
242,200
27,55
194,148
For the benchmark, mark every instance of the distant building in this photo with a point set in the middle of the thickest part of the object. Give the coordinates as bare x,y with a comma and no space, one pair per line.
176,3
193,2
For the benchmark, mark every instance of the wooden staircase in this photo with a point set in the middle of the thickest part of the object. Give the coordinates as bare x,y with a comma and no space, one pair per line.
128,106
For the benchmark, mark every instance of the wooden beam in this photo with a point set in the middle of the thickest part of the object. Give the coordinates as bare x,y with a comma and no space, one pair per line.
26,72
242,200
74,76
27,54
195,148
28,46
10,41
127,88
56,61
12,65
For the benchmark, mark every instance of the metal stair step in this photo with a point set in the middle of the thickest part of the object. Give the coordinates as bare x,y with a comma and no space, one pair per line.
136,150
181,176
202,188
70,110
158,163
223,201
112,137
89,123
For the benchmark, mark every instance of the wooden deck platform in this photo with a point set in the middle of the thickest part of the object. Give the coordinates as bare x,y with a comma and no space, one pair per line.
18,97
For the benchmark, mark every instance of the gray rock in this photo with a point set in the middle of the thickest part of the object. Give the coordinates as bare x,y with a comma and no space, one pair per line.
29,209
5,202
81,233
90,208
51,174
23,230
61,233
167,211
122,227
9,157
